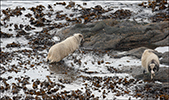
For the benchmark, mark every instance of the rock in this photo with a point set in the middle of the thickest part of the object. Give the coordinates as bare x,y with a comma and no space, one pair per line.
137,72
162,75
124,35
134,52
137,52
165,58
99,26
163,42
133,70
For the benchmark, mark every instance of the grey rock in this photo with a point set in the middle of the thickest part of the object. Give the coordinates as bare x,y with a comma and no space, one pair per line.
162,75
137,71
163,42
98,26
137,52
125,35
165,58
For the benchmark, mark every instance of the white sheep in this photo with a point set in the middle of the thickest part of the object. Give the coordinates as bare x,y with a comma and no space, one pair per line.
150,62
60,50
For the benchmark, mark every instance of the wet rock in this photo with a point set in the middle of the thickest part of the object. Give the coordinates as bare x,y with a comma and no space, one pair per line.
133,70
137,72
69,73
162,75
163,42
99,26
125,35
165,58
137,52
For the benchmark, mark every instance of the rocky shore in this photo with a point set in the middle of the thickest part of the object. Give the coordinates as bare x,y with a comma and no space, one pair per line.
111,34
108,64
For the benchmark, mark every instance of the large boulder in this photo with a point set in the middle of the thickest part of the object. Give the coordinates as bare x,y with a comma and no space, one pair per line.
137,52
162,75
165,58
137,71
124,35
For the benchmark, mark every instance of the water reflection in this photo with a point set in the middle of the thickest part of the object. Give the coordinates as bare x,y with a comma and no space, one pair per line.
63,72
